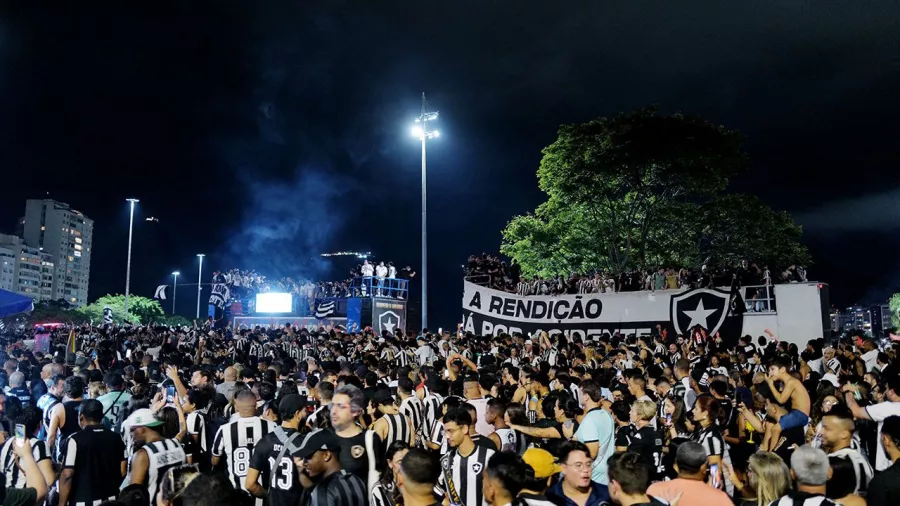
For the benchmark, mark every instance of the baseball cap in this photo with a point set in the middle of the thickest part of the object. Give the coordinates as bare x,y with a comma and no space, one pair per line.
542,461
143,418
832,378
321,439
529,341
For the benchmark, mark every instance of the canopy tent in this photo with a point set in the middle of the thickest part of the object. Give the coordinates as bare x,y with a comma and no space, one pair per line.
12,303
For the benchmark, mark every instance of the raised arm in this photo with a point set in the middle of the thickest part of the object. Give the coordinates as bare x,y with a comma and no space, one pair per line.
782,396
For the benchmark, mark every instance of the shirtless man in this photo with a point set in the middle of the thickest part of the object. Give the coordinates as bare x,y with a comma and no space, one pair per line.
795,392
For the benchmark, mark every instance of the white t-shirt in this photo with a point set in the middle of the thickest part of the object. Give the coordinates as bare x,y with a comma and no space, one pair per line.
424,355
871,358
481,426
877,413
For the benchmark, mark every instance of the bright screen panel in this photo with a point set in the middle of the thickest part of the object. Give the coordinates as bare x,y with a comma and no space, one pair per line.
273,303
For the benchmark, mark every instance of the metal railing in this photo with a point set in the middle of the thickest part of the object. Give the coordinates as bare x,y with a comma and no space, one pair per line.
759,298
372,286
479,279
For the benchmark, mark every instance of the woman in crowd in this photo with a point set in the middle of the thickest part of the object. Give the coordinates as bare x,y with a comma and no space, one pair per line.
678,430
708,415
768,478
385,492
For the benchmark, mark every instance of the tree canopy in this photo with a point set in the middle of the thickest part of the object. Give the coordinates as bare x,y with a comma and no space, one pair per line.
644,190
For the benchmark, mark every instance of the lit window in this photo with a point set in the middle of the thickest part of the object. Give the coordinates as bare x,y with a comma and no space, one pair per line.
43,228
78,240
77,253
71,259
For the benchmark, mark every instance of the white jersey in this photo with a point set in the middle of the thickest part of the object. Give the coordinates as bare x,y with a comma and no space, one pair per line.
508,441
162,456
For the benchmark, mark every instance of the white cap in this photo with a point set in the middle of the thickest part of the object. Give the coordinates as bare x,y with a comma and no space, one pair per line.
528,341
831,378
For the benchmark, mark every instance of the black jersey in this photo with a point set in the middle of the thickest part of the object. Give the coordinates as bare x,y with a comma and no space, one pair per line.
354,455
96,454
624,435
339,489
279,477
649,444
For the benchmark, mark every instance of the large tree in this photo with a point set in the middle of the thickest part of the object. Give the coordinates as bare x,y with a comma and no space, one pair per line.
642,189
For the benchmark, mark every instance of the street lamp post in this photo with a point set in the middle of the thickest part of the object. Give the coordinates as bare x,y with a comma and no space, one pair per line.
174,290
424,132
199,281
128,264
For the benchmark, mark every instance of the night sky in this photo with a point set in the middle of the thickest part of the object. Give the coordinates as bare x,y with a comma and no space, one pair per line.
264,133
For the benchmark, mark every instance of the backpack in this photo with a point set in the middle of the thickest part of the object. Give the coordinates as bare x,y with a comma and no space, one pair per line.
213,422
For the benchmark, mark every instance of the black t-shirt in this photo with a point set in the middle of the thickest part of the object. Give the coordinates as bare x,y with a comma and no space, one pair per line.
791,438
354,456
96,454
624,435
884,486
648,443
548,444
279,478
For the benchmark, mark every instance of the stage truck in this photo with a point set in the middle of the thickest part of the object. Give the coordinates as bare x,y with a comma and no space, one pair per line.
378,304
794,312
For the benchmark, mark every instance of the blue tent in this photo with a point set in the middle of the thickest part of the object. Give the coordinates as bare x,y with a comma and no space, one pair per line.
12,303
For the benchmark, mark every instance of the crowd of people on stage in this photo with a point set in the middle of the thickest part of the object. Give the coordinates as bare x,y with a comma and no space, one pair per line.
490,270
246,283
190,416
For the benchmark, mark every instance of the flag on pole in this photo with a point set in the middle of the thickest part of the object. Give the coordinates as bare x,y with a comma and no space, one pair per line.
160,292
70,348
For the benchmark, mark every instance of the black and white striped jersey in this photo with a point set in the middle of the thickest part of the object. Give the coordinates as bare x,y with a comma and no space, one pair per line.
413,409
196,426
382,494
161,455
235,442
399,429
14,476
432,404
342,488
803,499
861,467
463,477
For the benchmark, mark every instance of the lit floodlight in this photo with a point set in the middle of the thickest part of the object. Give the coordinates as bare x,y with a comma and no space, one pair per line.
436,133
417,132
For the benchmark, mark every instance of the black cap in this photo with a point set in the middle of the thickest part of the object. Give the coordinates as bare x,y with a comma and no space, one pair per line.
317,440
114,380
382,396
290,405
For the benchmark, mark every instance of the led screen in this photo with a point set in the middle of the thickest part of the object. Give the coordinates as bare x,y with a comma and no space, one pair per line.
273,303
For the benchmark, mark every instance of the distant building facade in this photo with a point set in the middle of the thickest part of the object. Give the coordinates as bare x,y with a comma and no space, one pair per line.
65,238
25,270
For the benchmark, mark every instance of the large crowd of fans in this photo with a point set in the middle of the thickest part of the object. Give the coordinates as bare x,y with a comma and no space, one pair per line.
490,270
192,416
